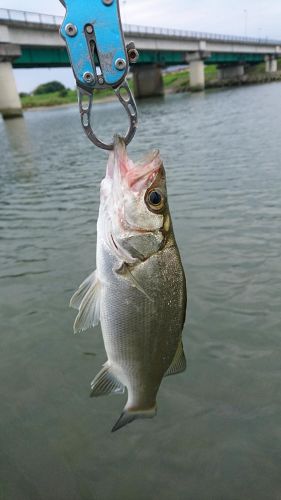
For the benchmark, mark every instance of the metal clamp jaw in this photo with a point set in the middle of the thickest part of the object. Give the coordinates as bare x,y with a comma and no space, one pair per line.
99,58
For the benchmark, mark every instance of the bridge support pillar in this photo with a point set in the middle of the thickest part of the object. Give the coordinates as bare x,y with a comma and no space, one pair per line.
10,105
231,72
197,75
196,70
270,64
148,81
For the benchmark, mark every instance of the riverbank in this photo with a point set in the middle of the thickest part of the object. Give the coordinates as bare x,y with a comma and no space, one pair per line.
61,98
174,82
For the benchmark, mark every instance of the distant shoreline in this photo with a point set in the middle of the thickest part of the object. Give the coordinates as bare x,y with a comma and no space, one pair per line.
68,104
174,83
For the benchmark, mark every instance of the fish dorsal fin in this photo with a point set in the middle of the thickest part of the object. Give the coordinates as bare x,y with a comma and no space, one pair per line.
87,300
178,364
105,382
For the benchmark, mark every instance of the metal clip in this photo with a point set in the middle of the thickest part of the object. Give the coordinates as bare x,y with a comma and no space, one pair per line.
126,100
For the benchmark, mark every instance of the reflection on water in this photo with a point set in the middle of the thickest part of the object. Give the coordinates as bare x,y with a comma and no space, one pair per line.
20,146
217,433
17,134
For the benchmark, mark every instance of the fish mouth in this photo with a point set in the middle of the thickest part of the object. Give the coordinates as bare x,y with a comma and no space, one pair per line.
113,241
137,176
144,174
133,230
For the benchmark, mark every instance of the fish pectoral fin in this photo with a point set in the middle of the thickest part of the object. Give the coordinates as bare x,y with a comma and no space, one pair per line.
79,295
125,271
87,298
105,382
128,416
178,364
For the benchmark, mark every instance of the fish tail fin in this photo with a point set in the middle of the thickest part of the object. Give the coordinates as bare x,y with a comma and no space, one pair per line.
128,416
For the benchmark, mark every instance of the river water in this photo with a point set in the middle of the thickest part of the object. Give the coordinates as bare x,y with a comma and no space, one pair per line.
217,432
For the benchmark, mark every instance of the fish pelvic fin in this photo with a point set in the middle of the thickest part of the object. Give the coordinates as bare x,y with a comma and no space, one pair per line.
178,364
128,416
87,301
105,382
79,295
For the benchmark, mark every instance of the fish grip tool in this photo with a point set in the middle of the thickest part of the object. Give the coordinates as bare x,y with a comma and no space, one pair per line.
99,58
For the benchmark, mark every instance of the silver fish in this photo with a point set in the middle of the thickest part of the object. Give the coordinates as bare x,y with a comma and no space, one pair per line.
138,291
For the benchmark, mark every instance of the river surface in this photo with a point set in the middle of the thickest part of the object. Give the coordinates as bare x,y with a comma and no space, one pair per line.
217,433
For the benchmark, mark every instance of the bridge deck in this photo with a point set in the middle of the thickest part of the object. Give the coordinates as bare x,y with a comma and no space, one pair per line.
46,21
38,37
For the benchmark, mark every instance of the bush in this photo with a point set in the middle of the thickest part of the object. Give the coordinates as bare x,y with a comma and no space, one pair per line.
49,88
63,93
23,94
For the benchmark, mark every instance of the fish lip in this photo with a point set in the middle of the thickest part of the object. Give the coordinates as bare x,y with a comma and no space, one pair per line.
134,229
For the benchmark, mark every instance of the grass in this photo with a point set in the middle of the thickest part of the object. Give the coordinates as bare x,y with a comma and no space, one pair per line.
257,69
171,78
179,81
175,82
211,72
59,98
53,99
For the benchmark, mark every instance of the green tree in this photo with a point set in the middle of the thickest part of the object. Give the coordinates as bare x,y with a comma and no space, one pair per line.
48,88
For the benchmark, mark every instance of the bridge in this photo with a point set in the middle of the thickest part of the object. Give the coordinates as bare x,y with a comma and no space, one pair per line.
30,40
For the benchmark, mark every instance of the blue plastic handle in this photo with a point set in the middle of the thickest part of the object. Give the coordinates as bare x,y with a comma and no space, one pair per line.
104,17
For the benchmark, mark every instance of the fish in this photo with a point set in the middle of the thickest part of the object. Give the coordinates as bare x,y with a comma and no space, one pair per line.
138,290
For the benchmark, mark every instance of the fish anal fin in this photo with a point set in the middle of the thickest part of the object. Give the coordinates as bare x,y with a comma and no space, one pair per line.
178,364
128,416
89,305
105,382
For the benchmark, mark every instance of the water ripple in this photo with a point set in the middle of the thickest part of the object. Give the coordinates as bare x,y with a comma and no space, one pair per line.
220,419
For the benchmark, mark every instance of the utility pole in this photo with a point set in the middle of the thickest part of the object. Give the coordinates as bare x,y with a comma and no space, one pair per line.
246,21
124,3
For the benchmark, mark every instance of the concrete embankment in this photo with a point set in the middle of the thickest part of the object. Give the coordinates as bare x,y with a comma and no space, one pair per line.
214,79
249,79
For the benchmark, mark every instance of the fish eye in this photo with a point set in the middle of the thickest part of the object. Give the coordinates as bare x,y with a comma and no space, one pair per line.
155,199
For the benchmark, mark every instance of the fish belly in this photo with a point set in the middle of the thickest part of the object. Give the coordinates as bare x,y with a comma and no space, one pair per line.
142,325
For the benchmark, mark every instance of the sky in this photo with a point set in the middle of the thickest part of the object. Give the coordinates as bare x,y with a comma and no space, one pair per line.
259,18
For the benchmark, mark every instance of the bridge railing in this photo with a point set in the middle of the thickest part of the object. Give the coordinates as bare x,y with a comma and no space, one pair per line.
47,19
200,35
29,17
